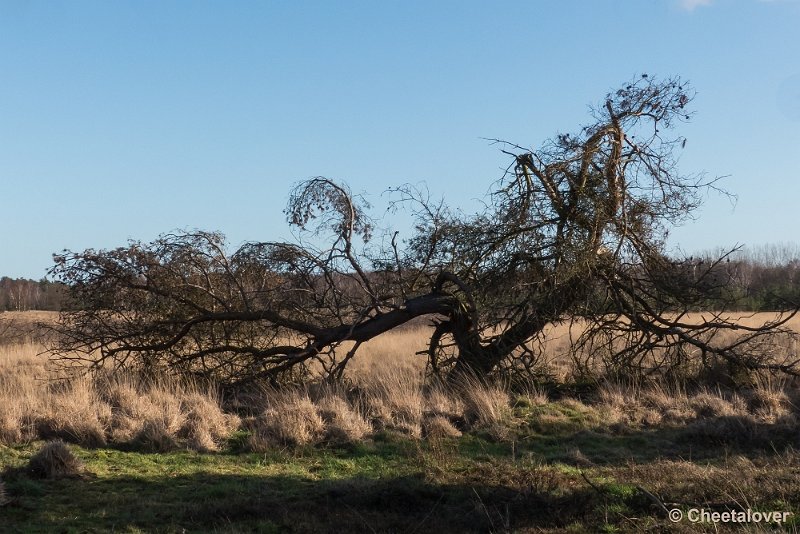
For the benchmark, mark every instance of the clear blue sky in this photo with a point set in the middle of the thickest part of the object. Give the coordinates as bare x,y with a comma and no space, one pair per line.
124,120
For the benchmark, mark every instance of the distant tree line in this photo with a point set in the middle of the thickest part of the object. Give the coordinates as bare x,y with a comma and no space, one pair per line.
759,278
765,277
23,294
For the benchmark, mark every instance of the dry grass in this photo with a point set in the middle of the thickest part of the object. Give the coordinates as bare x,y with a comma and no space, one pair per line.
438,427
344,423
532,396
24,327
292,419
75,412
558,339
205,425
486,406
54,460
300,416
708,416
21,391
113,408
393,397
770,401
395,349
440,400
666,404
388,393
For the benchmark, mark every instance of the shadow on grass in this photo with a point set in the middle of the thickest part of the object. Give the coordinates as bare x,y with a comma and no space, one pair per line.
467,485
250,503
703,439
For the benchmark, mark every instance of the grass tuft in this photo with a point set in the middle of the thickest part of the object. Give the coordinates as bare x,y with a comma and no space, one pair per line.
486,407
291,420
394,399
343,423
54,460
439,427
75,413
711,404
769,401
205,426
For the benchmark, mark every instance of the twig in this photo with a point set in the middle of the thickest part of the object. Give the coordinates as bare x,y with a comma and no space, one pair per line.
654,499
598,490
485,510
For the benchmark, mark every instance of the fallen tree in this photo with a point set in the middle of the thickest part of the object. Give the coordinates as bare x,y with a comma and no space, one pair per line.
575,229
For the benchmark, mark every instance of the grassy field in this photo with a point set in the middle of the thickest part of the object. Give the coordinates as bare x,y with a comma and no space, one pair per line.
390,453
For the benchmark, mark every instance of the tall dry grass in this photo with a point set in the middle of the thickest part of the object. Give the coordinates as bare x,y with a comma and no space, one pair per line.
105,408
385,391
714,414
122,409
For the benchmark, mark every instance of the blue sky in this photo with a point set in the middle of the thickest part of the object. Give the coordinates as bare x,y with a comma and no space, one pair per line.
124,120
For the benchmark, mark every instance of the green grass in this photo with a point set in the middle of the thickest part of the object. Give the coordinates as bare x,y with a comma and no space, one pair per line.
574,476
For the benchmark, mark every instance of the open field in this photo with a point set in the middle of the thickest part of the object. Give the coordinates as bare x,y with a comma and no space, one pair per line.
400,346
389,453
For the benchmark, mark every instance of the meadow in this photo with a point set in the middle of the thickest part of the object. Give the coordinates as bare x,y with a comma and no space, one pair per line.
387,450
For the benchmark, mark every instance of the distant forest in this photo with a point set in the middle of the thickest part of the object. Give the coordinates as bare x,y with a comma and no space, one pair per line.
762,278
23,295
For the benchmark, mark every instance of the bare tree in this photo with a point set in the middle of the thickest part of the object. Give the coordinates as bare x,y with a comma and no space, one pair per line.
576,228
